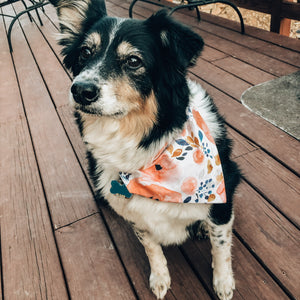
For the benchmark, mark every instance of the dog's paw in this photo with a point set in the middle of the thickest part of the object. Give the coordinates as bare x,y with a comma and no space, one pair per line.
224,286
202,232
159,284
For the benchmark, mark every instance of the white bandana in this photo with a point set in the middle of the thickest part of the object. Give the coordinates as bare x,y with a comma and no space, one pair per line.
186,171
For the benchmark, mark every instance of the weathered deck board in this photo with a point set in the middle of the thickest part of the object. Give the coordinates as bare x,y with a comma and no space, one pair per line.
30,260
64,183
95,249
244,71
269,235
92,267
252,281
274,181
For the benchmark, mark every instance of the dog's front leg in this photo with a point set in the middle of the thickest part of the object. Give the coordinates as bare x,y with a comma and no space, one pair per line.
221,239
159,278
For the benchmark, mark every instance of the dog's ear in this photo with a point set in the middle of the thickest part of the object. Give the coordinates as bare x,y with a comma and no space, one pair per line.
76,16
179,43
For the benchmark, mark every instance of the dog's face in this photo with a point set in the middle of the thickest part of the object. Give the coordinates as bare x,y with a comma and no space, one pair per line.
127,69
114,70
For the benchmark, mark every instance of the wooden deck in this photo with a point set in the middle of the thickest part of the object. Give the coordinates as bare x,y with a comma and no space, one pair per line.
57,244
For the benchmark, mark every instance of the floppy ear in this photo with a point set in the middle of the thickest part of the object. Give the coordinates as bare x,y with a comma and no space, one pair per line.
179,43
76,16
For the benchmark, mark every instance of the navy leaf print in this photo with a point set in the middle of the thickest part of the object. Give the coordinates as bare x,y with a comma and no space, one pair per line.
181,142
188,199
200,134
180,158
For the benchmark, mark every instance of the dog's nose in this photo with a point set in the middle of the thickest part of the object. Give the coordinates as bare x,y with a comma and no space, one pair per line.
85,92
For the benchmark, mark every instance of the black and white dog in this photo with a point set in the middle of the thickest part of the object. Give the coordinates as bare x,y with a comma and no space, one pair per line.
141,120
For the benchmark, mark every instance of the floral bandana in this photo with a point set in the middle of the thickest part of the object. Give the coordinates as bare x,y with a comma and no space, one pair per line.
186,171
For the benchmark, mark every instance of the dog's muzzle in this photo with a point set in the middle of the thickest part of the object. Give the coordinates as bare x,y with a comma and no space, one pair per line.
85,92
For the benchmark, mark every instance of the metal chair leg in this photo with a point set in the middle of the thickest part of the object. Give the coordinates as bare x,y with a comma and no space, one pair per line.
34,7
131,7
29,15
197,3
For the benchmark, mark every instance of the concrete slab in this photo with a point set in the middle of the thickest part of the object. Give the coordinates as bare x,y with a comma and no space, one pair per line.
277,101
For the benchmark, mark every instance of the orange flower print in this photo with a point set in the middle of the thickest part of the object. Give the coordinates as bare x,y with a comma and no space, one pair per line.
211,198
217,160
209,167
200,122
221,191
177,152
198,156
189,185
161,169
154,191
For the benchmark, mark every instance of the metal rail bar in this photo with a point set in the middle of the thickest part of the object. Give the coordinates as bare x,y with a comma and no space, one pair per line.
193,4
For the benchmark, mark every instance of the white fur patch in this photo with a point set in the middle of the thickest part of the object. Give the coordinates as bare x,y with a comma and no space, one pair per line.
198,95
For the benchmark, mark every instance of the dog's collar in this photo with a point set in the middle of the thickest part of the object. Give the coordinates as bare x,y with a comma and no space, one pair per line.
186,171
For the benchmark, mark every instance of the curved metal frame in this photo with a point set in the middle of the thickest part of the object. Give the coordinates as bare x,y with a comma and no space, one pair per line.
193,4
35,6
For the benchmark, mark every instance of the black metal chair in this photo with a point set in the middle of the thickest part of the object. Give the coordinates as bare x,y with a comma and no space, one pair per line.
35,4
192,4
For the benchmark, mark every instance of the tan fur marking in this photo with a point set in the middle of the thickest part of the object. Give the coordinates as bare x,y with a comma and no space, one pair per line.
72,14
125,49
142,117
93,40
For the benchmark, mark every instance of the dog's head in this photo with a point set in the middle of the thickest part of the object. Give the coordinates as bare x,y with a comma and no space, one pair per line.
128,69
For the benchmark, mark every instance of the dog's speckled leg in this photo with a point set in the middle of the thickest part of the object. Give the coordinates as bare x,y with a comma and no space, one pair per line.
221,239
160,280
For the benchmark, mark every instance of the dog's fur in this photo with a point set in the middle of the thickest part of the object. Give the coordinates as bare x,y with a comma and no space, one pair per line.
130,94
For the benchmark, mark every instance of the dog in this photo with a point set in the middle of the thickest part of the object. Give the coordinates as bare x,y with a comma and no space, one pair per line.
157,147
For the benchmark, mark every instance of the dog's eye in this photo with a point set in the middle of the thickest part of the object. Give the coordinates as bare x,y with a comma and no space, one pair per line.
134,62
85,52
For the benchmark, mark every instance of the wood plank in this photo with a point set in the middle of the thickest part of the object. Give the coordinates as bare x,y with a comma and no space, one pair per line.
66,114
257,33
211,54
67,191
282,54
10,105
30,260
269,235
184,283
221,79
252,281
93,269
264,134
243,70
250,56
241,145
59,89
275,182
